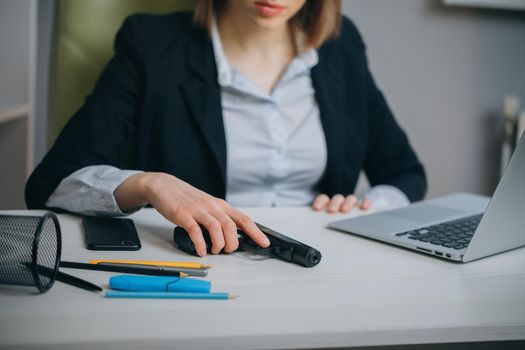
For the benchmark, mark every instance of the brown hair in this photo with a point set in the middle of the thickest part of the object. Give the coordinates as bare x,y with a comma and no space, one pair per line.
318,19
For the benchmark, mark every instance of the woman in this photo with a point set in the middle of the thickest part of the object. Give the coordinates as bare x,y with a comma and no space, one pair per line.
256,102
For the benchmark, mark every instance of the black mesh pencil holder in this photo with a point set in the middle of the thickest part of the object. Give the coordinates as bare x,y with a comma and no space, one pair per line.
29,250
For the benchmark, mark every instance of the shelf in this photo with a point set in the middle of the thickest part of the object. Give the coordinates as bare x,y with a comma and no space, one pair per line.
18,112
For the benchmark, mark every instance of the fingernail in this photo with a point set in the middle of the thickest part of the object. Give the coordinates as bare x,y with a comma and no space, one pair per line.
266,241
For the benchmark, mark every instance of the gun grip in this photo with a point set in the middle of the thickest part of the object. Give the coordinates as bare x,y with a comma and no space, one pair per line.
183,241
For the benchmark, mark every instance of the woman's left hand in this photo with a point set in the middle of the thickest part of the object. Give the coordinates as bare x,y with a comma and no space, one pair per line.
340,203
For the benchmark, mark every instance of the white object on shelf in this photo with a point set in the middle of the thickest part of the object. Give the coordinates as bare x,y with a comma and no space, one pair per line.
510,109
496,4
510,106
521,125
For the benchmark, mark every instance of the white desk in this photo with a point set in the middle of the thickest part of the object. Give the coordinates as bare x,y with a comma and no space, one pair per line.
362,293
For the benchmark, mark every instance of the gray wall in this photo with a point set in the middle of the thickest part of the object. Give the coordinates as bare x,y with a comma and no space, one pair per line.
14,53
14,88
46,14
444,70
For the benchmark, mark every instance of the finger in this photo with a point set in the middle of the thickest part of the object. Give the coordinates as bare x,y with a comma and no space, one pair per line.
365,204
246,224
195,233
335,203
349,203
214,229
320,202
229,229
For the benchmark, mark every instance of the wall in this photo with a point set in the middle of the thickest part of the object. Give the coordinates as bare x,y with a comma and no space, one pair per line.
444,70
46,15
14,60
16,19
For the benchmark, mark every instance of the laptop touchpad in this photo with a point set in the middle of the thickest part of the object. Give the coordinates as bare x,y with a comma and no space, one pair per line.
425,213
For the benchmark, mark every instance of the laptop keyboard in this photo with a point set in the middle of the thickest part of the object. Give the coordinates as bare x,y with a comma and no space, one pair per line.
453,234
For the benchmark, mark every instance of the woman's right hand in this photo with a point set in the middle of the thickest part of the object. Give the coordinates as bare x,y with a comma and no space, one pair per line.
189,207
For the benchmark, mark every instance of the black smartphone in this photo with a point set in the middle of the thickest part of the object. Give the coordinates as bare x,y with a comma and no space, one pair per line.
110,234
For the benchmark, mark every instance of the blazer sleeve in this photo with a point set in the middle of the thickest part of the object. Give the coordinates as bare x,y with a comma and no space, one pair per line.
390,159
102,130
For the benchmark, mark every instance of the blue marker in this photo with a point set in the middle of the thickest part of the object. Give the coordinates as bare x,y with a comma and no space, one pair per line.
135,283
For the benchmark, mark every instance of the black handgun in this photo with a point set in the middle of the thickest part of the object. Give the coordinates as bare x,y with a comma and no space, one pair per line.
281,246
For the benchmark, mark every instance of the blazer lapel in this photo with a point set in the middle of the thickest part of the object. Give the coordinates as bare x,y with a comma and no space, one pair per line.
328,85
202,94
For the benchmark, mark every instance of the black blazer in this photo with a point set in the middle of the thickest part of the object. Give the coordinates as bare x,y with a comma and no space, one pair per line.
157,107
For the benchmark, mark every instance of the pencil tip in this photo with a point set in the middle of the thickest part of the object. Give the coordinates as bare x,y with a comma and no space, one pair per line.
182,274
232,295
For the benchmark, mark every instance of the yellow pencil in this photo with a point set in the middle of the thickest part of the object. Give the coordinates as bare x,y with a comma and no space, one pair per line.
181,264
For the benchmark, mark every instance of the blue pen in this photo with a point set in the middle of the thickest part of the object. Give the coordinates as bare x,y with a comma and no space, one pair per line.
137,283
168,295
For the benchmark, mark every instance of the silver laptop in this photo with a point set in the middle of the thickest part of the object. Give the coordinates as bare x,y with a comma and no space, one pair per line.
460,227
